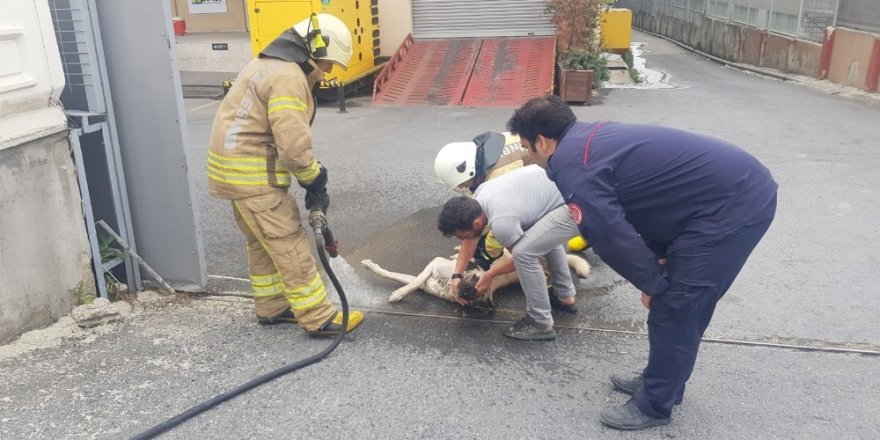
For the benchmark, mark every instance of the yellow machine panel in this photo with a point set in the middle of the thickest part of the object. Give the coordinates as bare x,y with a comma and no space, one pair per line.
268,18
617,29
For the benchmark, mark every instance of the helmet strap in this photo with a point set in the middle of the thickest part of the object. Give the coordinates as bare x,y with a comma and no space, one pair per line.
315,39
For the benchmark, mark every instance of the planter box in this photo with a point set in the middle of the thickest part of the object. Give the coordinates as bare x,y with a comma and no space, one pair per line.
576,85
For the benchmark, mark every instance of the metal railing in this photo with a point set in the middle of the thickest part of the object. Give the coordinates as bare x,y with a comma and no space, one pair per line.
863,15
802,19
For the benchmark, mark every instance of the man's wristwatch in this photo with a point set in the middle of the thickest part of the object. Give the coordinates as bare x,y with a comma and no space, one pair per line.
457,276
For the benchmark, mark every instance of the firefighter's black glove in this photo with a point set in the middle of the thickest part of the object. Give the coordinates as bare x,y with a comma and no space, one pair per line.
316,192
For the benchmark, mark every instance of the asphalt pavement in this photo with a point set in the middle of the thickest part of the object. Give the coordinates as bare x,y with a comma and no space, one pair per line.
425,369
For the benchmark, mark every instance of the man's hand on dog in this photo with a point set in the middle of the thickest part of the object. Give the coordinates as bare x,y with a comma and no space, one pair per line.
456,290
484,284
481,288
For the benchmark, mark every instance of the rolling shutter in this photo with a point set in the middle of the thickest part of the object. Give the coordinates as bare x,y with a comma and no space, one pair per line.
479,19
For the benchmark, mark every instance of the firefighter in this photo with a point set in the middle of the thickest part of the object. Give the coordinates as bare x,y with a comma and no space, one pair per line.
260,142
463,166
675,213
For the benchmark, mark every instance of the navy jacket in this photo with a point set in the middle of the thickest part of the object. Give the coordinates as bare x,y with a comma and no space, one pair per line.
631,186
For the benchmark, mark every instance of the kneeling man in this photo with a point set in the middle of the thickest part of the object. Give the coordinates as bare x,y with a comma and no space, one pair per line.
524,212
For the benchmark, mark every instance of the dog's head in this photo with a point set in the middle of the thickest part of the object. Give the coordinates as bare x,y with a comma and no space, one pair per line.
468,290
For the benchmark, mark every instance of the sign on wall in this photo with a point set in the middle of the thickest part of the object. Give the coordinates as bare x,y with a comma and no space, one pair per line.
207,6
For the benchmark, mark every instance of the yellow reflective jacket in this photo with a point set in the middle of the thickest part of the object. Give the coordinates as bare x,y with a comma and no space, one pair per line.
261,133
513,156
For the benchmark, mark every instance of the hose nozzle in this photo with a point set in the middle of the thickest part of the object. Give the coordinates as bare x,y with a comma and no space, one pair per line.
318,222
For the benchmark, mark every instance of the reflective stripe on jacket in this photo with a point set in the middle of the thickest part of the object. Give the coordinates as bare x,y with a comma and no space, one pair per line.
261,138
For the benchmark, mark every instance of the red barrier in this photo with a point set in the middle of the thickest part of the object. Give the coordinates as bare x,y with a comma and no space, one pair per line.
873,78
827,51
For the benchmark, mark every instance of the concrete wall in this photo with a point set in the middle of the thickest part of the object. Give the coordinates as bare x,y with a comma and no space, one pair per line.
395,23
851,57
233,20
804,58
776,53
44,251
738,43
752,46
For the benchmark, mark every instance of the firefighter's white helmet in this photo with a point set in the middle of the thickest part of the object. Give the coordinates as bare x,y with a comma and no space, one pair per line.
337,36
455,164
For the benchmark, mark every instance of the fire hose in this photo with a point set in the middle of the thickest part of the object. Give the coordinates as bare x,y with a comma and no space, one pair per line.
326,244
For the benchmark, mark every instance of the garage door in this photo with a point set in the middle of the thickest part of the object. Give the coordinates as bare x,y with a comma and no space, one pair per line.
474,18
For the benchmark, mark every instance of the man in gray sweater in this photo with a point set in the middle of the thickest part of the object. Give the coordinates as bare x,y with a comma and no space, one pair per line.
523,212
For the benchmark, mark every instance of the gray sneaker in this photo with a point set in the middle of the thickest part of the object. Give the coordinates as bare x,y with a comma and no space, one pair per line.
526,329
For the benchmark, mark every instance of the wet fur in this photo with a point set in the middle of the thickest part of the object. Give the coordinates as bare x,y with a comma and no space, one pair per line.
436,278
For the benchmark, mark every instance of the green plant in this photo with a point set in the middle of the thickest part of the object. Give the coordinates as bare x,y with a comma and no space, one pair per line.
83,294
577,38
633,73
108,252
586,59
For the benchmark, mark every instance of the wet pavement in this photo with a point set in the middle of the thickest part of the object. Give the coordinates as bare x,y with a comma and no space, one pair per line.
423,368
807,282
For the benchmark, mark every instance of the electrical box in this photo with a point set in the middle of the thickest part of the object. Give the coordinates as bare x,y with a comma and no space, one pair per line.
269,18
617,29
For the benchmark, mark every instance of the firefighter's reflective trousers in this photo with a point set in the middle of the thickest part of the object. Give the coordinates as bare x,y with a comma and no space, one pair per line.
282,269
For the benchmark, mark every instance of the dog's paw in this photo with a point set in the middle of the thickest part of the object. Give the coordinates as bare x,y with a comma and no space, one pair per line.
397,295
369,264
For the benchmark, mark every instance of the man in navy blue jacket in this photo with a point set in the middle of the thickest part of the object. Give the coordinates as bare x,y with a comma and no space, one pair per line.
675,213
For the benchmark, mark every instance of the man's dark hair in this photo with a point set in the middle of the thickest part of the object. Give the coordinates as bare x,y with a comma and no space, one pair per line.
545,115
458,214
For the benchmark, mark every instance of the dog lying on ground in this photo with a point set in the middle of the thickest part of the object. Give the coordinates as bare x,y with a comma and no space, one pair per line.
436,279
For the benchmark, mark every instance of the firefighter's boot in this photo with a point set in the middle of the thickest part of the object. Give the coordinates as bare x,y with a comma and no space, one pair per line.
284,317
334,325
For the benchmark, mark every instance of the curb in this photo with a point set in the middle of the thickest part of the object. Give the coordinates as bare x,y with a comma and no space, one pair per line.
202,92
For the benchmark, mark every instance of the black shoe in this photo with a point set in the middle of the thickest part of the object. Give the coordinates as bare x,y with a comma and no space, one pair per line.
628,417
631,385
555,304
283,317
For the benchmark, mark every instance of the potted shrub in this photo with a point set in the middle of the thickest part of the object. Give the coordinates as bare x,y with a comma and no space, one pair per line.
580,71
580,62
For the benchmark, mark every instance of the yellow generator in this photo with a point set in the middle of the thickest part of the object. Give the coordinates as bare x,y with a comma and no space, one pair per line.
268,18
616,29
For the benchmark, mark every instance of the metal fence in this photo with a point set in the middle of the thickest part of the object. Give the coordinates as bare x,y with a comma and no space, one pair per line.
863,15
803,19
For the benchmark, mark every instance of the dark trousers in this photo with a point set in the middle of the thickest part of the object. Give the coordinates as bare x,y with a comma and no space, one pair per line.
699,277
